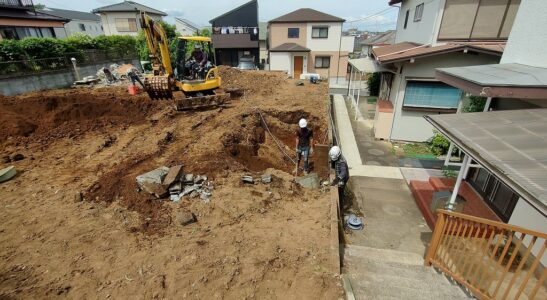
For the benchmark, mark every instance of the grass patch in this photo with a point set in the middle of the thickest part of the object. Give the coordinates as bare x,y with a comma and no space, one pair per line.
420,151
372,100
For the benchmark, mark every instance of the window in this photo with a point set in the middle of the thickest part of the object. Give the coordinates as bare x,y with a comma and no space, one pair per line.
320,32
418,12
428,94
485,19
322,62
47,32
496,194
126,25
82,27
293,33
8,33
406,18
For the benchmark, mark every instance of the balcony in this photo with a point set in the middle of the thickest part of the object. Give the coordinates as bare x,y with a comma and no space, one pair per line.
22,4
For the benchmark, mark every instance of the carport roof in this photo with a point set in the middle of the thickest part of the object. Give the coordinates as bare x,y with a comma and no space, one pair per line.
511,144
498,80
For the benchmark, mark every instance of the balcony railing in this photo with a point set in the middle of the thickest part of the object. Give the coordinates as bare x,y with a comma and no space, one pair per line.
493,260
17,3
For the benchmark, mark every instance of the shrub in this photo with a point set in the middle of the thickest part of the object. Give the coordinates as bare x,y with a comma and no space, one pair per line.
373,83
439,144
11,50
476,104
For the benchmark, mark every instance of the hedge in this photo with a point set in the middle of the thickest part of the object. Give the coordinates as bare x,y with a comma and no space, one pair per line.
38,48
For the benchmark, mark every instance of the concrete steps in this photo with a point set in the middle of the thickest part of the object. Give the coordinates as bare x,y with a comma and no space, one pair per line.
389,274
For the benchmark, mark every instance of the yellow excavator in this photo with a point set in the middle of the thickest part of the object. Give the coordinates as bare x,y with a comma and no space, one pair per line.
195,81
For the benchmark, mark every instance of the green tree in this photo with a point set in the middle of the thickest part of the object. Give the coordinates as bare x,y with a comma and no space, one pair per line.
373,83
476,104
39,6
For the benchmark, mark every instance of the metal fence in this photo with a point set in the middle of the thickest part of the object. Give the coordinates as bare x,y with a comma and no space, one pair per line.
44,65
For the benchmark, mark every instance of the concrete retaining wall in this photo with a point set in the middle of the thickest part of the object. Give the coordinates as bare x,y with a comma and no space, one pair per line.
52,80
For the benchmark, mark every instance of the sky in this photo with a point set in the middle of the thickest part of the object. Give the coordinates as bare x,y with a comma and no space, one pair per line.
200,14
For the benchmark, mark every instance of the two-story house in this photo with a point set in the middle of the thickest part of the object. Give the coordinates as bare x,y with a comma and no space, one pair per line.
435,34
309,41
19,19
123,18
235,34
80,22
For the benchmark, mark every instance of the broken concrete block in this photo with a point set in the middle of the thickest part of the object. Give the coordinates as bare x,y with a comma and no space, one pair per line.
174,175
189,178
194,194
175,197
185,217
78,197
247,179
310,181
151,182
266,178
205,195
200,179
7,173
189,189
175,188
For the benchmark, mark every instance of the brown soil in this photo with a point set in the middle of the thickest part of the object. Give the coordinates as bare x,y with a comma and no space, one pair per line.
264,241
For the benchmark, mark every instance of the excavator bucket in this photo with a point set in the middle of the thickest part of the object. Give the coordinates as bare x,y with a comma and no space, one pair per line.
202,102
158,87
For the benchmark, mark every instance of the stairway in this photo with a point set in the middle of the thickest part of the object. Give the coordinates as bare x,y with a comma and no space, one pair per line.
389,274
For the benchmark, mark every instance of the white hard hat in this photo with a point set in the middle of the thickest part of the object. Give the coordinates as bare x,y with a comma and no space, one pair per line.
334,152
302,123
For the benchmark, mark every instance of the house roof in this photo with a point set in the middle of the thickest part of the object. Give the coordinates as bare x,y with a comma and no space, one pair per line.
306,15
232,41
228,12
26,14
290,47
262,31
498,80
386,38
71,14
392,2
367,65
187,22
406,51
510,144
128,6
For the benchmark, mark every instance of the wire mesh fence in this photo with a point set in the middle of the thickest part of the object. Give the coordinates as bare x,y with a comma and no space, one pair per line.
43,65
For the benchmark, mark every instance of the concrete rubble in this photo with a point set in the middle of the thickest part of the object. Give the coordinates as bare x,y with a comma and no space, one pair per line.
173,183
265,178
310,181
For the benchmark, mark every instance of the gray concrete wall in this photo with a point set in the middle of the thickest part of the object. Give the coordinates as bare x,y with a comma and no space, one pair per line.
52,80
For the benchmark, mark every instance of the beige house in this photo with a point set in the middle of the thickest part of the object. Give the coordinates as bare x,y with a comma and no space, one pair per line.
307,41
123,18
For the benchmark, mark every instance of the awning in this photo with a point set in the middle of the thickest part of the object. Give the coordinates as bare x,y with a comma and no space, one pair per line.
368,65
498,80
290,47
511,144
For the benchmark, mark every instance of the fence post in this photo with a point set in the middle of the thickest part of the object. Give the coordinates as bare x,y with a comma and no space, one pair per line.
437,233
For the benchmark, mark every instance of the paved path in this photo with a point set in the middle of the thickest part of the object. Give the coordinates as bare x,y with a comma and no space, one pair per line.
350,149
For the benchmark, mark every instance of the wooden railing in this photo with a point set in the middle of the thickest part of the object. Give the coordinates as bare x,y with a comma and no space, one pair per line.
493,260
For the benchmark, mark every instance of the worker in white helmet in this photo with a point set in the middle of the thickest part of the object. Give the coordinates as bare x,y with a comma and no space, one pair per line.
340,166
304,144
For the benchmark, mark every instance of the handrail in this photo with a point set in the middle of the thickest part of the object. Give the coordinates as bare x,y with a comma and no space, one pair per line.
493,260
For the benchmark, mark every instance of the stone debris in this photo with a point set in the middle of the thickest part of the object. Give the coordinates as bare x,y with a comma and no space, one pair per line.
185,218
174,174
247,179
266,178
310,181
151,182
172,182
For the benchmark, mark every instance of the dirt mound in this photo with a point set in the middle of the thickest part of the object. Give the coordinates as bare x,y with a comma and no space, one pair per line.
69,113
264,83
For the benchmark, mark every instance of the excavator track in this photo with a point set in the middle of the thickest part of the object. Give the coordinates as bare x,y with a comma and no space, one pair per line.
201,102
158,87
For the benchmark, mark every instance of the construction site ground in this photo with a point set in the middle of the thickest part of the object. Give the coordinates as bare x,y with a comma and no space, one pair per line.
261,241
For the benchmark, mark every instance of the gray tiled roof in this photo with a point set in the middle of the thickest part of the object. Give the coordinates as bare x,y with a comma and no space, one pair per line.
71,14
128,6
290,47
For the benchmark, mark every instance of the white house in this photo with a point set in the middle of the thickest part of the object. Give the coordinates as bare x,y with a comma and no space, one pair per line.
434,34
185,27
123,18
309,41
80,22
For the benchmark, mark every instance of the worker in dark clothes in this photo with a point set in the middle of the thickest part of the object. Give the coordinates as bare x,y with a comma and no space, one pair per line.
132,75
304,144
340,166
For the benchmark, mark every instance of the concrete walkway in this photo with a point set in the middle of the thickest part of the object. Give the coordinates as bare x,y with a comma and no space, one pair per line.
385,259
350,149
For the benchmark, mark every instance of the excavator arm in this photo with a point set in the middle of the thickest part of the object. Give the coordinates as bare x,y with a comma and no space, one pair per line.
157,42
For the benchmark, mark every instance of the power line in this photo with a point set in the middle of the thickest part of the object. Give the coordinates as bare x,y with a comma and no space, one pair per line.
382,12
